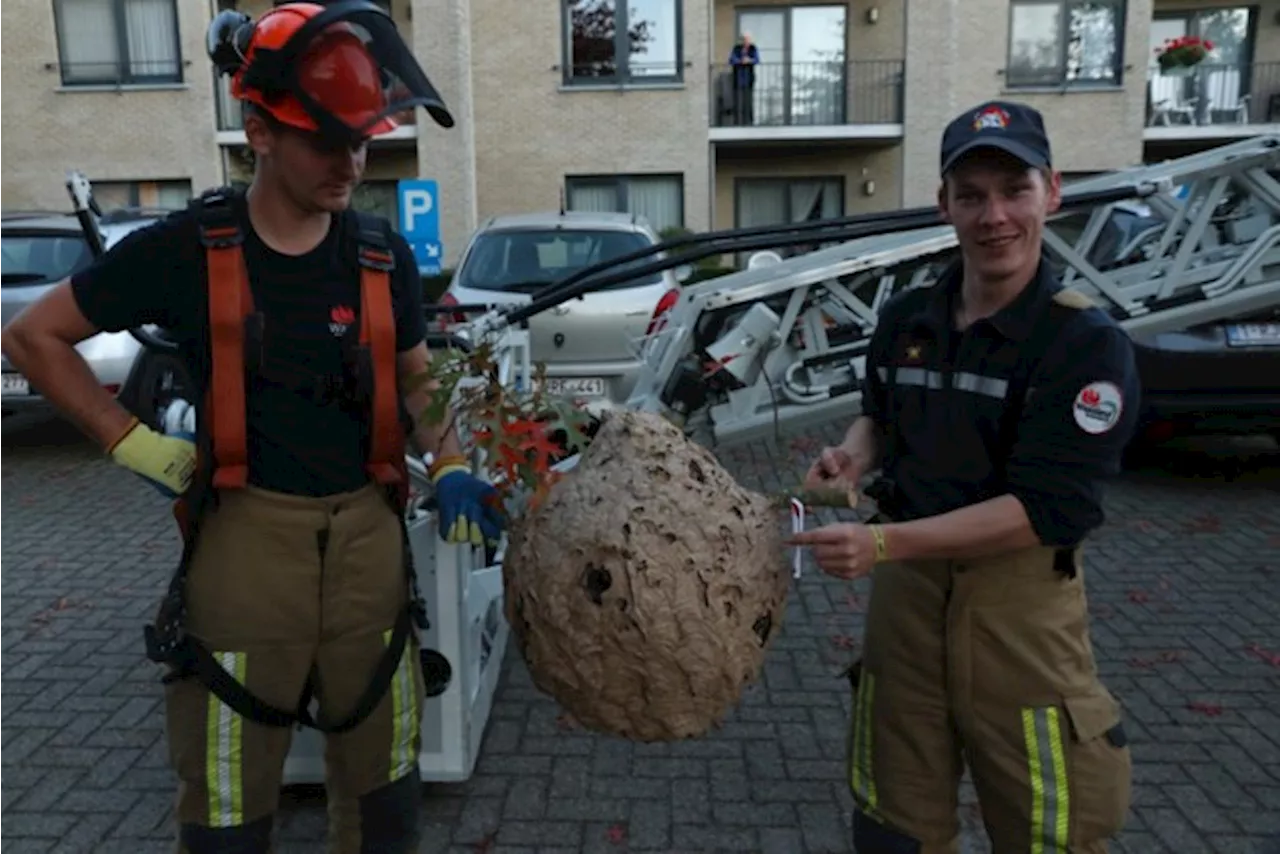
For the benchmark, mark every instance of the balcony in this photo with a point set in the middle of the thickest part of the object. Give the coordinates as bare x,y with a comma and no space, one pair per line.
809,101
1213,102
230,119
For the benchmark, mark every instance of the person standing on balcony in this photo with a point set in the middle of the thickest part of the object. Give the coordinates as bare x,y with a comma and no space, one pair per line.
743,60
300,324
995,402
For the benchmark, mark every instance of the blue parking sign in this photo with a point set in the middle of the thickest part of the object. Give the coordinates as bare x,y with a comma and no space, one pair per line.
420,223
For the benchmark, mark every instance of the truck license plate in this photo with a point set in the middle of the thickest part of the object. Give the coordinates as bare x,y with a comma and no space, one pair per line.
576,386
15,384
1254,335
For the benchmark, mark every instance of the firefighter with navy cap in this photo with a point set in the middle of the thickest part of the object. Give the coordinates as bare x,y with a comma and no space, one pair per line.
994,403
299,321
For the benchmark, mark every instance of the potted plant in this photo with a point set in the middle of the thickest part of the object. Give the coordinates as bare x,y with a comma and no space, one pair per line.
1179,57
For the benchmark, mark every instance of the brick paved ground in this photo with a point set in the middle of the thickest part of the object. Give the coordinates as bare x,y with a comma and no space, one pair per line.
1187,627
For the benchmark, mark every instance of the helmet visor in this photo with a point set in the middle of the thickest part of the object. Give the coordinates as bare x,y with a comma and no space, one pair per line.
354,75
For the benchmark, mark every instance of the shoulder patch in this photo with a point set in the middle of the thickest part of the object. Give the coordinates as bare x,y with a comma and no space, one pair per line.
1097,407
1072,299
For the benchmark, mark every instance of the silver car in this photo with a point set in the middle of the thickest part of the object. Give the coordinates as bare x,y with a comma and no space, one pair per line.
39,250
590,346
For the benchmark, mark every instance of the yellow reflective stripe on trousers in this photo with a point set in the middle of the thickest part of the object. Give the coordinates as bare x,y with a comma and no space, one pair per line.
862,778
404,714
224,751
1047,771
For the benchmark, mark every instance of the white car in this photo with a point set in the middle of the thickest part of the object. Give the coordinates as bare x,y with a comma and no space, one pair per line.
41,249
590,345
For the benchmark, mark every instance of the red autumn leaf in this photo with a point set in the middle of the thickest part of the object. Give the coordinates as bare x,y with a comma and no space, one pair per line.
486,844
1272,658
1137,596
843,642
1211,710
542,448
1205,524
521,427
1143,663
616,834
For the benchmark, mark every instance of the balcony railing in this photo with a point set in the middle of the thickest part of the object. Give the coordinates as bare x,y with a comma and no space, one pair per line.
1209,95
794,94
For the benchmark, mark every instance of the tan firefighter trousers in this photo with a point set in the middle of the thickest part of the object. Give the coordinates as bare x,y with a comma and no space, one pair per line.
278,585
986,663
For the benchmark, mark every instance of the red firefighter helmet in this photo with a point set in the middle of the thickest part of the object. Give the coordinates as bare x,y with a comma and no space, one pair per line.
340,70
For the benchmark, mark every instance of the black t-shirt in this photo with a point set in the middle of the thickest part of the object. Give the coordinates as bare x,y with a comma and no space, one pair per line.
298,443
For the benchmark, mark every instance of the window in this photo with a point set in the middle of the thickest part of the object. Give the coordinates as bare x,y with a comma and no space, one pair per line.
779,201
170,195
527,260
1075,43
113,42
802,77
612,41
657,198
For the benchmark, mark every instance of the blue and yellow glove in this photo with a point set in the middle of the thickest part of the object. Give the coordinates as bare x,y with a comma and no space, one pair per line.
468,509
167,462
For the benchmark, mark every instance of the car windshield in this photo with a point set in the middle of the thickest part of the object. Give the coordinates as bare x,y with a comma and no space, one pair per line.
527,261
40,259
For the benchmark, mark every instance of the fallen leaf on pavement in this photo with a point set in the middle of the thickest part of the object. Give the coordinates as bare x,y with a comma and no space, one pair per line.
1211,710
1137,596
616,834
1205,524
485,845
1256,650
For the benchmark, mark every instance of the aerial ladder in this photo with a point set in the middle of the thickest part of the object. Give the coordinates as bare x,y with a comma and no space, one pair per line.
783,344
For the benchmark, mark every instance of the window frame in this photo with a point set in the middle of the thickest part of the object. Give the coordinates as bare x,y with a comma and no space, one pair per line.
620,181
785,181
123,77
1121,8
621,54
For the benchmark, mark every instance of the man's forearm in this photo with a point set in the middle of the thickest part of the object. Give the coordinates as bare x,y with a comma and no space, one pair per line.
61,375
440,440
979,530
862,443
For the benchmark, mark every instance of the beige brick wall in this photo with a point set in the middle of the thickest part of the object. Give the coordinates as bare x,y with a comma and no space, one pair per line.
966,41
531,131
109,134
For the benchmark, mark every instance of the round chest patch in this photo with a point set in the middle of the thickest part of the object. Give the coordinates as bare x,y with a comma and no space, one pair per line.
1097,407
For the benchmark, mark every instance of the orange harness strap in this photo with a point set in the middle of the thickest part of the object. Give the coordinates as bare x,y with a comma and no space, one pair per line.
378,334
230,302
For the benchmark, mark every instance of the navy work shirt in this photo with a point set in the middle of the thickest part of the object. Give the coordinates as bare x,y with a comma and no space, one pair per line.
939,395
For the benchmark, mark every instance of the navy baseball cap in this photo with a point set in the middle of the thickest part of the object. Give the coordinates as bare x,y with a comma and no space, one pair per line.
1006,125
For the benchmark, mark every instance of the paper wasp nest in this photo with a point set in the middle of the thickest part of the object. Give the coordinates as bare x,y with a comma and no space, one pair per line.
644,590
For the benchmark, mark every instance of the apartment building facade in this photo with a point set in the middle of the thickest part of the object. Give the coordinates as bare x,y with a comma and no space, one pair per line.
603,104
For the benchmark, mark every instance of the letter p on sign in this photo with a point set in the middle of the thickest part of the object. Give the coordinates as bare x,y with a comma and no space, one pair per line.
416,203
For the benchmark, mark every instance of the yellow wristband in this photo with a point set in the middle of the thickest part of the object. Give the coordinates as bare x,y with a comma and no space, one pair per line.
444,465
882,550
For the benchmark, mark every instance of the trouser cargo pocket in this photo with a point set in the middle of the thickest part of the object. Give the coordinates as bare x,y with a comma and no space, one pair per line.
1099,766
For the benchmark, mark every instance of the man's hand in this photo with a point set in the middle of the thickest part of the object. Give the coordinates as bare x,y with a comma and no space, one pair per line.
168,463
468,510
833,464
845,550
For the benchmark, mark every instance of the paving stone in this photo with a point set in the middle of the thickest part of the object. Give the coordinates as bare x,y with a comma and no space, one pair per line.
1185,614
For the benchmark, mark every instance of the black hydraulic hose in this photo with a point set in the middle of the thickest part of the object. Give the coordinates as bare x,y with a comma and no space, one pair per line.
763,237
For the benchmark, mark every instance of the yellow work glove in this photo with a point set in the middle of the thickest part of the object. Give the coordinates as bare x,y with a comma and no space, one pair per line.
168,463
466,503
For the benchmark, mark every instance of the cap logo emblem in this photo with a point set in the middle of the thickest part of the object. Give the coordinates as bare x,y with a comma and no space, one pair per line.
990,118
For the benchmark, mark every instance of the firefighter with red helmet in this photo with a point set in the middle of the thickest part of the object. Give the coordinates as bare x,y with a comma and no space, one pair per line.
298,320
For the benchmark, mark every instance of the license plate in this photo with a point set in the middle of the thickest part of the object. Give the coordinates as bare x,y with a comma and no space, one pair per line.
1254,335
15,384
576,386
